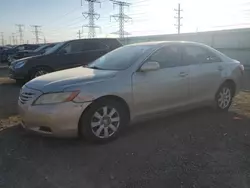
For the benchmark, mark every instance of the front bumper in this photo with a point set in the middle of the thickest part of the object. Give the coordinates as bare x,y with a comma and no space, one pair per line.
17,74
59,120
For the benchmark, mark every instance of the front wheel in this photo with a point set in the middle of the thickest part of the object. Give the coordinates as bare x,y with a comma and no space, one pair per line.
224,97
103,121
39,72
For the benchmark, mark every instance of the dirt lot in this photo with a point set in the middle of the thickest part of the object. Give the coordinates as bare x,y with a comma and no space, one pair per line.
200,148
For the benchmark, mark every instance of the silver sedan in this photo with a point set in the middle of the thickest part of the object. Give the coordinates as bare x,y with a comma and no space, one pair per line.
128,84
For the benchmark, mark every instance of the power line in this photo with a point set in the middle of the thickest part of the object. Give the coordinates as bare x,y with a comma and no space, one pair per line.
178,11
2,38
79,34
20,31
92,16
121,17
36,32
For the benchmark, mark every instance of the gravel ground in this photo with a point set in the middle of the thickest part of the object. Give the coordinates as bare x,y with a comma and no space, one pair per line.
195,149
200,148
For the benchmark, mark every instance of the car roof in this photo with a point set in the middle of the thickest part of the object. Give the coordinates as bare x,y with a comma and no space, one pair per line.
159,43
96,39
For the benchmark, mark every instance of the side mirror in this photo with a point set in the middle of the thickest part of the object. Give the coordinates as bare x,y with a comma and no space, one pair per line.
150,66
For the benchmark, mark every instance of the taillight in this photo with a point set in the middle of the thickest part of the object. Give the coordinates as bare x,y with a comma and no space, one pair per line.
241,68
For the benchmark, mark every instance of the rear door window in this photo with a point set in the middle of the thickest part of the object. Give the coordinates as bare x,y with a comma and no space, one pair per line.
93,45
197,55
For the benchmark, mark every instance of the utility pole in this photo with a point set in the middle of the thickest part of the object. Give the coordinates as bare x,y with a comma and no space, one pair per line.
121,17
9,40
79,34
92,16
16,40
44,40
178,17
13,39
20,31
36,32
2,38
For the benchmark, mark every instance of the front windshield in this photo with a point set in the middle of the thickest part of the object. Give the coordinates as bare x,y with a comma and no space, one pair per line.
121,58
54,48
40,48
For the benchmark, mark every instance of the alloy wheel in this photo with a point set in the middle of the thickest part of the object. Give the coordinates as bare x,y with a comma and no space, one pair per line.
105,122
40,73
224,98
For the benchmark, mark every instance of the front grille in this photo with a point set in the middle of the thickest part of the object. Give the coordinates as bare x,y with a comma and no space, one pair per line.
28,95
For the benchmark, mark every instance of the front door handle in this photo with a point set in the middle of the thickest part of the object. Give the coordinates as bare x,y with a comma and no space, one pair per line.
183,74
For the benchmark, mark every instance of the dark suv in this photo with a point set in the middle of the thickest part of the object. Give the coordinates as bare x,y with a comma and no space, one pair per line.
63,55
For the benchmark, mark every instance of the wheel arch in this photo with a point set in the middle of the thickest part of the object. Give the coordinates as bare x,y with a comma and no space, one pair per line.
37,67
107,97
231,83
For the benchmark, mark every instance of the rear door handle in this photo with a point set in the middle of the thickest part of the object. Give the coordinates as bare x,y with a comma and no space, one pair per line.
183,74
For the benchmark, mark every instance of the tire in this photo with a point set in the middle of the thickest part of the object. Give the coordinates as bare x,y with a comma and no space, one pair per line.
39,71
95,126
224,97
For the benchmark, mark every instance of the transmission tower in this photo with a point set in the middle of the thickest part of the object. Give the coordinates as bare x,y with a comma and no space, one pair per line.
178,17
13,39
92,16
2,38
79,34
121,17
16,39
36,32
20,31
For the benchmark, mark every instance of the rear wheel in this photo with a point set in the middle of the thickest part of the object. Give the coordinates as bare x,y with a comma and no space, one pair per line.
39,72
103,121
224,97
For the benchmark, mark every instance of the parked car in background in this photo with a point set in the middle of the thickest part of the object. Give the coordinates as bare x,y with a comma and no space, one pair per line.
129,83
27,53
11,51
63,55
2,49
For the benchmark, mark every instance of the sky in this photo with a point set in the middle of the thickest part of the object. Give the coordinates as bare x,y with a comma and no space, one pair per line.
60,20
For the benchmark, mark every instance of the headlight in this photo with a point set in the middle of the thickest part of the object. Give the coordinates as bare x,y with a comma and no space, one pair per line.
53,98
19,64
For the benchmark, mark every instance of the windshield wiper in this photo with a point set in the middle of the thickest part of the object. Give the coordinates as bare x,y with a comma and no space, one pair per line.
94,67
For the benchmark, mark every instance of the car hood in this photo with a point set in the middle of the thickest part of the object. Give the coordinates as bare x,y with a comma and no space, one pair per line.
22,59
33,57
60,80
